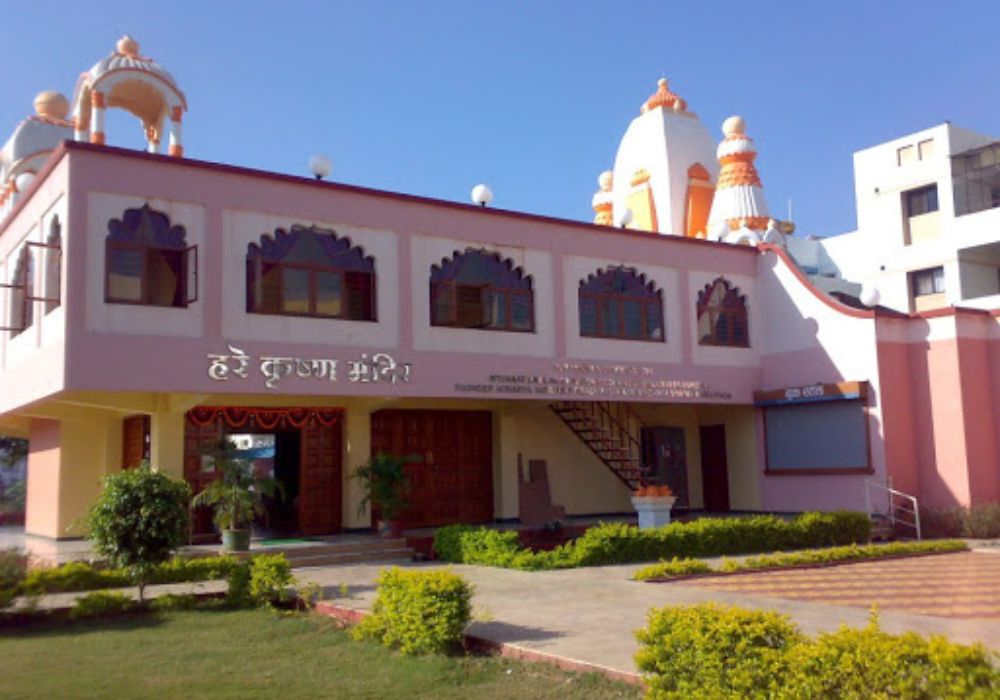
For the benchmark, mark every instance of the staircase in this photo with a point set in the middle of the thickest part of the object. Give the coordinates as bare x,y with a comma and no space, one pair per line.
362,549
891,510
612,432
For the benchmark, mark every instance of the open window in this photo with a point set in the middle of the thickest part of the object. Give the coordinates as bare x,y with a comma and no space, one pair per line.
722,316
148,261
621,303
310,272
20,294
477,289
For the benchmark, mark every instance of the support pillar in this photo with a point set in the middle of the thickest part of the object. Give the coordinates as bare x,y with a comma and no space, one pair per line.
176,147
97,106
357,451
166,443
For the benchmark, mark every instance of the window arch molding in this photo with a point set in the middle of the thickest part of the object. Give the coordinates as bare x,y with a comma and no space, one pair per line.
481,289
312,272
20,290
621,303
52,277
722,315
148,261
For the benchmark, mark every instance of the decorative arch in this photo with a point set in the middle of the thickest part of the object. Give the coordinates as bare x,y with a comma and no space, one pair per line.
481,289
698,201
722,315
620,302
53,266
310,271
21,310
148,261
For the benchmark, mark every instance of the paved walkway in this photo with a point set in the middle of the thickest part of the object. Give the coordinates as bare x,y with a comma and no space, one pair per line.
590,614
962,585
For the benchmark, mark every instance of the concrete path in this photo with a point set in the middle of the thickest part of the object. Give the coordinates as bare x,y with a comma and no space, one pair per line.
590,614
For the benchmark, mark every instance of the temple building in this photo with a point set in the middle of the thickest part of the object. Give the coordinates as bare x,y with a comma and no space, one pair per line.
151,303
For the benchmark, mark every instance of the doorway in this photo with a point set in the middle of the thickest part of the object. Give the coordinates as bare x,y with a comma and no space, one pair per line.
663,449
714,469
274,456
451,481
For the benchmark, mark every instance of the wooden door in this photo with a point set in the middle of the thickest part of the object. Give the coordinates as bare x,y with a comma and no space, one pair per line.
664,449
200,440
320,480
451,480
714,470
135,441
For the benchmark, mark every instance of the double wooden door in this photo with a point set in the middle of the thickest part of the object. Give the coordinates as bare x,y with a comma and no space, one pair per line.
451,477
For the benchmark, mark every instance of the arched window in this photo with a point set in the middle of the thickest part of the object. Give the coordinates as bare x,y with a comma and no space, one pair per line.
310,272
21,309
620,303
722,316
148,261
477,289
53,266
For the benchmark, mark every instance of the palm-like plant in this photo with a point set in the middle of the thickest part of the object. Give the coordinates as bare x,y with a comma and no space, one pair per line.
385,484
237,496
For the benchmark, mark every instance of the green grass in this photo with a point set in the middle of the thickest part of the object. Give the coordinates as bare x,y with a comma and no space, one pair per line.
256,654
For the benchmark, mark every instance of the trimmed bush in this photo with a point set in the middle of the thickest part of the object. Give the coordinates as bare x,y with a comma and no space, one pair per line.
619,543
81,576
270,578
13,565
418,612
238,593
102,604
672,568
981,521
139,520
715,651
857,664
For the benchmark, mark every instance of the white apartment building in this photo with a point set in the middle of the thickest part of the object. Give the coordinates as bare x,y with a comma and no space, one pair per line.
928,224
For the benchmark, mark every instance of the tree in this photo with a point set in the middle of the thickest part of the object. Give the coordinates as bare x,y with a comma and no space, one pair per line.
238,494
12,451
139,521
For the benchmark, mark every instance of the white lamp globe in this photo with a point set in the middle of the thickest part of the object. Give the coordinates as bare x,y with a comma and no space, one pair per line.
870,296
320,166
482,195
623,218
23,181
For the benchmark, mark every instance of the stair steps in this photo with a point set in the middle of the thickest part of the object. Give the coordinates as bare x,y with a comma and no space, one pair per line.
612,432
361,550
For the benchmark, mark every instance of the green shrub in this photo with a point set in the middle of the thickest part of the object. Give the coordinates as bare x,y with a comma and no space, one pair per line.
857,664
270,578
418,612
849,553
102,604
674,567
183,569
139,520
620,543
174,601
715,651
74,576
982,521
13,566
942,522
238,593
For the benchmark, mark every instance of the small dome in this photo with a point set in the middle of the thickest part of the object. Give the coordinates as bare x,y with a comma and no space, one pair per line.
52,105
127,46
605,181
664,98
734,126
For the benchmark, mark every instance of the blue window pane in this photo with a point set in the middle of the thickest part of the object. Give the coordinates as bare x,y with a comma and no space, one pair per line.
632,313
588,317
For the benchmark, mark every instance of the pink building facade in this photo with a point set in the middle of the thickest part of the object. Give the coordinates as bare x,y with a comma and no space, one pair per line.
817,398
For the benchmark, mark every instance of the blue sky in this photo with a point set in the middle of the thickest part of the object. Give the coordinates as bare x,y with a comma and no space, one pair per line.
531,97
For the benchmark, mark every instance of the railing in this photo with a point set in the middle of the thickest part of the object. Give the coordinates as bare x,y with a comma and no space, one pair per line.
612,431
900,507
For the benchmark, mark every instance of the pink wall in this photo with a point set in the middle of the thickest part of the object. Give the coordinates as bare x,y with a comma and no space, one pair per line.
42,502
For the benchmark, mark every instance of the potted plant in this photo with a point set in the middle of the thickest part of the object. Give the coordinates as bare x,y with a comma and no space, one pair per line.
237,496
386,485
653,504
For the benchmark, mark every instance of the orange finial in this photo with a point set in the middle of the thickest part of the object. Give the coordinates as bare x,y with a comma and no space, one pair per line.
664,98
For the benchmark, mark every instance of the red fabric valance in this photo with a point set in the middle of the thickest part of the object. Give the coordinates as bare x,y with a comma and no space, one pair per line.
264,418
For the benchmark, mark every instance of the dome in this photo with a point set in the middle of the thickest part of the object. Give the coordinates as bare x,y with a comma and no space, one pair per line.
664,98
51,105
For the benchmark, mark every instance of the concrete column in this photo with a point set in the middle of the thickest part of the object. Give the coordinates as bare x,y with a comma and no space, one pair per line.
507,444
357,451
166,448
97,106
44,461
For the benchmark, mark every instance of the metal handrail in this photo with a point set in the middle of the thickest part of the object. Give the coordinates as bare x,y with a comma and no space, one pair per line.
893,508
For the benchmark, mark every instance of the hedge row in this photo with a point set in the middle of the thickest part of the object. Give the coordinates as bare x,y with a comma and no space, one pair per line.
806,557
618,543
81,576
716,651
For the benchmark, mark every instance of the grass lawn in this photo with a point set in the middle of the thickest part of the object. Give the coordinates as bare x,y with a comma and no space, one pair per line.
256,654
